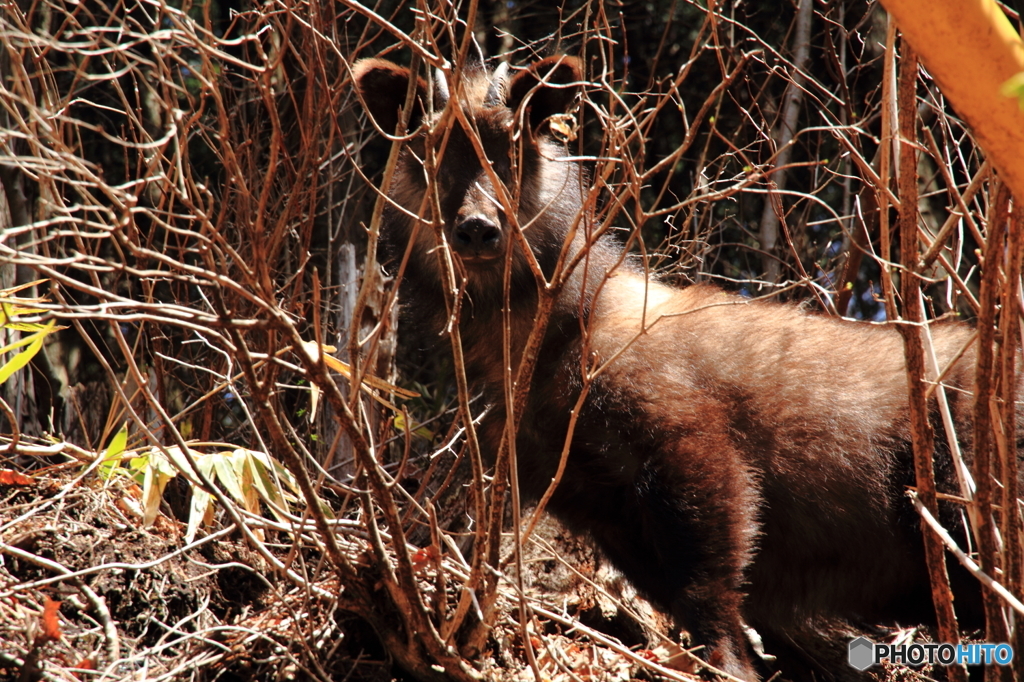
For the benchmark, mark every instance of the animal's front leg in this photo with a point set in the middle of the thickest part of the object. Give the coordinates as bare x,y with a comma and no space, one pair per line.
687,541
710,612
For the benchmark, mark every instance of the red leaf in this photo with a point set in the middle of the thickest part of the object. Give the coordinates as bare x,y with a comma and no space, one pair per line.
422,557
8,477
51,625
84,664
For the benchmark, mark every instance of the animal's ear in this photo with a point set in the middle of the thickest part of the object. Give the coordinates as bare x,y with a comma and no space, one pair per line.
382,86
547,87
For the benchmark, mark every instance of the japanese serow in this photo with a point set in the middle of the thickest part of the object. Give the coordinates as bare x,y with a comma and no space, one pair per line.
741,462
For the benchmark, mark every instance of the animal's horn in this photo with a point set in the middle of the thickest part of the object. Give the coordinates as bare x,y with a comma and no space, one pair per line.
440,89
499,85
475,56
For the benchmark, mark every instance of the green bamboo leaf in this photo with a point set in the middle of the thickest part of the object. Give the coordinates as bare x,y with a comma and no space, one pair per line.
240,463
27,326
226,475
112,456
417,429
157,474
23,341
201,509
266,486
35,343
180,462
200,512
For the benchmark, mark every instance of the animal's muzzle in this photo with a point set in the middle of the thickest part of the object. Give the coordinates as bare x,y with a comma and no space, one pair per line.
477,239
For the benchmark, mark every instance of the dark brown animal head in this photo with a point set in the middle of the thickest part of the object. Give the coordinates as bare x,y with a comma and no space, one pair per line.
480,175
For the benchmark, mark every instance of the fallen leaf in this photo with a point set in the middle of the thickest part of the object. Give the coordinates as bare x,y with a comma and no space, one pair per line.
84,664
51,624
422,557
8,477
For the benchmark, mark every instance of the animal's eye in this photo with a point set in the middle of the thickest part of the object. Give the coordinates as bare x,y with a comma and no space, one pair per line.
501,169
442,184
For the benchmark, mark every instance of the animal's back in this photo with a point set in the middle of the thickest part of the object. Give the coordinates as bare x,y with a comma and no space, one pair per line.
809,411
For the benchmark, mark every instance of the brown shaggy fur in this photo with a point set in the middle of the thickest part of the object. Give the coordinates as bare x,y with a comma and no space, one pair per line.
740,461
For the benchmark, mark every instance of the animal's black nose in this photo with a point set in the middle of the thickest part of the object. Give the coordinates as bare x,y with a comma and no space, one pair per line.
477,235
